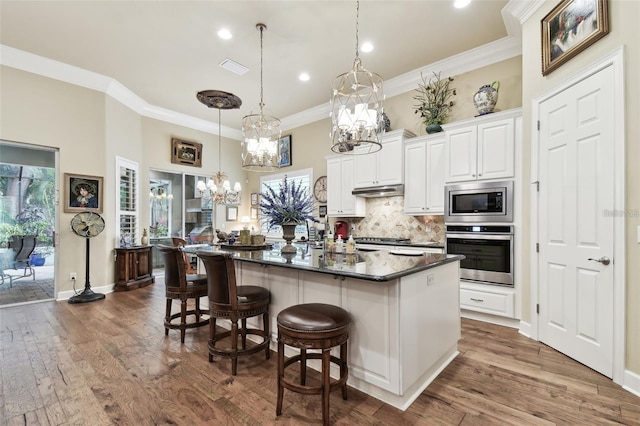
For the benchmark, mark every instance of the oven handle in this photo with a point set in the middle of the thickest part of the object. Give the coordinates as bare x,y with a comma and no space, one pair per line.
505,237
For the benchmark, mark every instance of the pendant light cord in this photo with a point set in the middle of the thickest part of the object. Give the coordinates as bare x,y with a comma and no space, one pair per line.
357,27
262,27
219,141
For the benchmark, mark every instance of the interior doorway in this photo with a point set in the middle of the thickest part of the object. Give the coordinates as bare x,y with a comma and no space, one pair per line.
28,217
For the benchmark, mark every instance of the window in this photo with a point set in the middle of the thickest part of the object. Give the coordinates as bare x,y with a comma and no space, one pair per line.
127,202
302,177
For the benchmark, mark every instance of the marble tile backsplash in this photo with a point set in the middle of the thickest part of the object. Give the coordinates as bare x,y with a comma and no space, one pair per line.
386,218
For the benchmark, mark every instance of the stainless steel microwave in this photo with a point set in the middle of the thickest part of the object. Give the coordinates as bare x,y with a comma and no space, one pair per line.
479,202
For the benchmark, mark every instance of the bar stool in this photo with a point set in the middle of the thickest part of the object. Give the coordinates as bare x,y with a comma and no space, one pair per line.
313,326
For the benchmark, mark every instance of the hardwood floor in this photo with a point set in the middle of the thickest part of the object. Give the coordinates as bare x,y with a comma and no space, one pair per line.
109,362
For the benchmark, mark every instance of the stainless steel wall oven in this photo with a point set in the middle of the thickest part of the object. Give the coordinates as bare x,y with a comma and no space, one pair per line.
488,251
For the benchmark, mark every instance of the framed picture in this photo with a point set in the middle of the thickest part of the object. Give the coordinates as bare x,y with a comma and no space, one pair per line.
185,152
322,211
571,27
254,213
82,193
284,144
232,213
254,199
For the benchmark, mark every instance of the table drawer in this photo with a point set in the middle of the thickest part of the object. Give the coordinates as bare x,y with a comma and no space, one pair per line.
491,302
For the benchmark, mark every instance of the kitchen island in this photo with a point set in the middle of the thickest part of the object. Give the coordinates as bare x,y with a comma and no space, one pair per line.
405,309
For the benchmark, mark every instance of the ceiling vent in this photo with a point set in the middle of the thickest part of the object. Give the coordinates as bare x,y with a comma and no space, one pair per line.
233,66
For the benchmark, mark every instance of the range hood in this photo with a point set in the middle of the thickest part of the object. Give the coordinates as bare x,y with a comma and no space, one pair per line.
379,191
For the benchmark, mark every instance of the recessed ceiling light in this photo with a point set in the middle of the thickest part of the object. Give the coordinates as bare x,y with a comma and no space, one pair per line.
459,4
366,47
225,34
304,76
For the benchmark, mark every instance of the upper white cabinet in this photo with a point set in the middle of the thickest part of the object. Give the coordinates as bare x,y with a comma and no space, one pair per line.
482,148
424,175
384,167
340,201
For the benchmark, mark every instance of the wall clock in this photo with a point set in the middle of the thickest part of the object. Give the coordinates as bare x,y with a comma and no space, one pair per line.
87,225
320,189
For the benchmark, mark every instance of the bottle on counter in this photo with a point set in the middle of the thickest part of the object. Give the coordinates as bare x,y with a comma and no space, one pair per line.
329,244
351,245
339,244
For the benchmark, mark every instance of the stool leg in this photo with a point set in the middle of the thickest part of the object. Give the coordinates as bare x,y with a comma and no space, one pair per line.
326,385
303,367
212,335
280,376
167,316
234,347
343,368
243,333
267,333
197,310
183,319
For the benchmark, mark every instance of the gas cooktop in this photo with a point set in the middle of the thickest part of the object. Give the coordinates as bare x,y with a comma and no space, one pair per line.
382,240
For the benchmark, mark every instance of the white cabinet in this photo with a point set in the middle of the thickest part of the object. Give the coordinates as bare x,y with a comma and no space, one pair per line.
384,167
487,299
340,201
424,175
482,148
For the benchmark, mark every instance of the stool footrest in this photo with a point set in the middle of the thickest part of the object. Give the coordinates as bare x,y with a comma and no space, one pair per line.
199,323
313,390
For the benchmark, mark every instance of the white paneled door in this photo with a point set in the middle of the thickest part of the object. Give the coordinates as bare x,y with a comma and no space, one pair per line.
576,202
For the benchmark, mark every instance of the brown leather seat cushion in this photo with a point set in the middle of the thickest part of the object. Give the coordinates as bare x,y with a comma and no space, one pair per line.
252,293
197,279
313,317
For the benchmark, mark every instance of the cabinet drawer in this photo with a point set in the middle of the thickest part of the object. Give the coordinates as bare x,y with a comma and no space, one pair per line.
496,303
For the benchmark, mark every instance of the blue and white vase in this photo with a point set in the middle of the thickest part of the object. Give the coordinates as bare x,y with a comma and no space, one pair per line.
486,97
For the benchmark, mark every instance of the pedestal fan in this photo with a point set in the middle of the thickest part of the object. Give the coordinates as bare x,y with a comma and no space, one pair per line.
87,225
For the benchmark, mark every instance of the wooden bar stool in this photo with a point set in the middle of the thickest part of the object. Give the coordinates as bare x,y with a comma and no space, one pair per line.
313,326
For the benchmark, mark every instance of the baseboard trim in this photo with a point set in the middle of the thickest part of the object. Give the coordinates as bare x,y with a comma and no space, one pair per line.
65,295
525,329
493,319
631,382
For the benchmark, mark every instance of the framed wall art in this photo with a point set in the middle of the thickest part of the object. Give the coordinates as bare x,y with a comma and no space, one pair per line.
82,193
254,213
284,144
571,27
322,211
254,198
185,152
232,213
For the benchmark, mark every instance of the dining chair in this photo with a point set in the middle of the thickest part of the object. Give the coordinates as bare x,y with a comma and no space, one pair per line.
235,303
182,286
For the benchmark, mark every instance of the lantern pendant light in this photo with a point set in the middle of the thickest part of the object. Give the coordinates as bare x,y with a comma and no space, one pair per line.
260,133
356,108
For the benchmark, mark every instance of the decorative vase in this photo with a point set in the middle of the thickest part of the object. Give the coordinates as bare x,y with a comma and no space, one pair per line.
36,260
486,97
433,128
288,233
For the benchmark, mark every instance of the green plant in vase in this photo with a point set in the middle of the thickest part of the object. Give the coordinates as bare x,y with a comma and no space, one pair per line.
434,101
288,207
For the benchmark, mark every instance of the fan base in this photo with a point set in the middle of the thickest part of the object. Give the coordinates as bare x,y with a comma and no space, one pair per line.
86,296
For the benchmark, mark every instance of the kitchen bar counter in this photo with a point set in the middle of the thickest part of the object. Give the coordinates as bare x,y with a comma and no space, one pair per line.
405,310
372,266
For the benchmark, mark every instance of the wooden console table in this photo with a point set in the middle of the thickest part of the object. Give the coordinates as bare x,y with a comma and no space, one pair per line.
134,268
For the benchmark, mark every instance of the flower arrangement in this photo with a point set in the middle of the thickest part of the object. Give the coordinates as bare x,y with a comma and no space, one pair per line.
434,99
291,204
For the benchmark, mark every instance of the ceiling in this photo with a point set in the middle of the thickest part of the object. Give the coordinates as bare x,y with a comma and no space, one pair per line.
167,51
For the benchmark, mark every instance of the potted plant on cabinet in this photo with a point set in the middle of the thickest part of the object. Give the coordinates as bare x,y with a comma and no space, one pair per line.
434,101
288,207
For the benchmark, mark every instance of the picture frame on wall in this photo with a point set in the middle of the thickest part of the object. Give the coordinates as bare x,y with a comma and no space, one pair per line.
322,211
186,152
254,198
232,213
284,145
82,193
571,27
253,213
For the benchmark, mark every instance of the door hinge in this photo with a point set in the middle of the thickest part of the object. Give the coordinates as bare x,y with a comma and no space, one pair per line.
537,184
537,308
538,125
537,247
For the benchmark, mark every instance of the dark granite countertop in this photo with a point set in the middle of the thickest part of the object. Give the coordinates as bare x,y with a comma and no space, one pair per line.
408,244
373,266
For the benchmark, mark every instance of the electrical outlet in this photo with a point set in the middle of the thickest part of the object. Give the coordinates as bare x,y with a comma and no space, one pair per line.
73,276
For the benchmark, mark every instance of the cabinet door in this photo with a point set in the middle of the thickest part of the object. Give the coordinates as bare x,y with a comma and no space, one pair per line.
334,186
142,261
461,154
365,166
389,162
435,151
496,149
415,177
348,204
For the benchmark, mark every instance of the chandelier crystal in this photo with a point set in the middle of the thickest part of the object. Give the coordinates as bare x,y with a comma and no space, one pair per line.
218,189
260,133
356,108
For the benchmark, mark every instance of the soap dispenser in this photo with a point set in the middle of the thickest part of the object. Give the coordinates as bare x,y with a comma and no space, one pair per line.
351,245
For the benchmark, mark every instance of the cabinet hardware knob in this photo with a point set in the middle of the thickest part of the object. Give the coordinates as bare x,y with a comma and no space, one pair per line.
477,300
